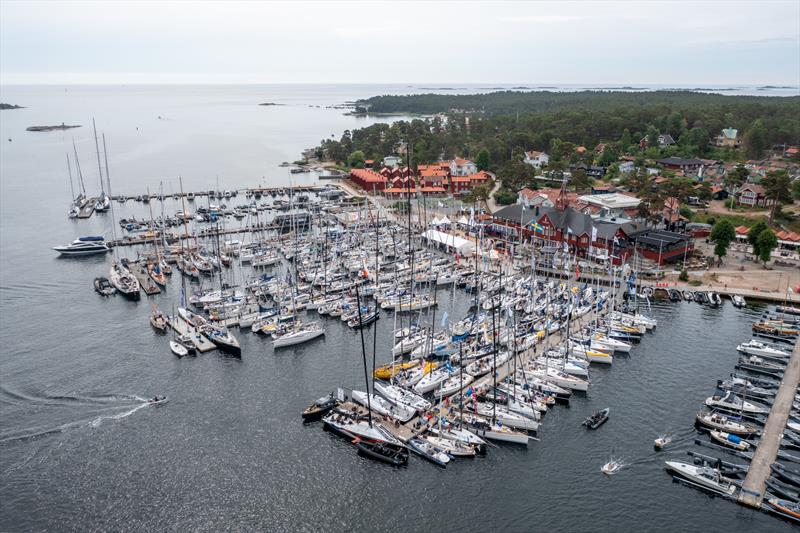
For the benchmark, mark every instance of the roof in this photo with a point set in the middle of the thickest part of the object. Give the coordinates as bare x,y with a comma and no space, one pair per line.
742,230
666,138
461,162
368,175
679,161
569,219
453,241
790,236
534,153
482,175
433,189
730,133
460,179
752,187
611,200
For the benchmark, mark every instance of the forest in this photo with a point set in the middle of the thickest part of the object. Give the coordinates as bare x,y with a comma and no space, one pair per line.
496,129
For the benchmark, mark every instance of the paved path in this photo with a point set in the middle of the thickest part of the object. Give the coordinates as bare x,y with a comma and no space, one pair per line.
753,487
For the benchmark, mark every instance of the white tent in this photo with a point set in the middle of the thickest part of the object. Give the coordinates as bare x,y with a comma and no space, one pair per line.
463,221
434,222
450,241
444,220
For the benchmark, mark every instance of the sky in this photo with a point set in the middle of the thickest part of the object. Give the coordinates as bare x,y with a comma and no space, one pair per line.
673,43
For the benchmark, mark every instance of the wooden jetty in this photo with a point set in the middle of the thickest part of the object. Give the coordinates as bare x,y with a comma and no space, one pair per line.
88,208
752,493
201,343
148,285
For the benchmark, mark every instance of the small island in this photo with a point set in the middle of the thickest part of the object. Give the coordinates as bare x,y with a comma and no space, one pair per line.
269,103
61,126
10,106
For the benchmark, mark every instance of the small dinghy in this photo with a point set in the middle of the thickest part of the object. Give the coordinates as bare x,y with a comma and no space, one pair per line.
661,442
385,452
597,419
158,321
612,467
178,349
427,450
104,287
158,400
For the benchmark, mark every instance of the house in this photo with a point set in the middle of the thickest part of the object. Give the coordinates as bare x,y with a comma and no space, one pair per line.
671,214
679,163
626,167
791,152
718,193
752,195
664,139
462,167
392,161
529,198
728,138
369,163
369,180
600,148
611,205
536,159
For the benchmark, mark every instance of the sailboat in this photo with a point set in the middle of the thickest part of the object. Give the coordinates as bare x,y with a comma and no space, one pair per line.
104,201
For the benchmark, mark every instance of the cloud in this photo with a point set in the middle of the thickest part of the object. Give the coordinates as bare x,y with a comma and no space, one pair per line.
541,19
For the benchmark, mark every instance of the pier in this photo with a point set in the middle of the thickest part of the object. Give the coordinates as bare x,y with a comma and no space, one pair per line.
201,343
752,493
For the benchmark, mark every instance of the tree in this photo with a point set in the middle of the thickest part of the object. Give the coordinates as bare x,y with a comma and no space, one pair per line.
777,186
652,137
752,235
626,140
767,241
483,159
356,159
505,197
722,235
796,190
580,180
736,177
755,139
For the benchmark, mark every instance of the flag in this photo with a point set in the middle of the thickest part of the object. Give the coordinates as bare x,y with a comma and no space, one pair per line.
469,392
444,319
594,234
577,271
616,241
536,227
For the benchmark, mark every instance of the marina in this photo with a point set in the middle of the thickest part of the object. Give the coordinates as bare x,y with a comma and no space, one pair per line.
238,419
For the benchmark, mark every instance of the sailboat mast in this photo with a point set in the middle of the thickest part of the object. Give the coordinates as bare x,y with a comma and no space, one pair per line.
108,178
71,187
78,166
364,355
99,167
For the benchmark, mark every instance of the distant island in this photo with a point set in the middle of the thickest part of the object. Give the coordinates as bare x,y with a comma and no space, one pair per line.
10,106
269,103
61,126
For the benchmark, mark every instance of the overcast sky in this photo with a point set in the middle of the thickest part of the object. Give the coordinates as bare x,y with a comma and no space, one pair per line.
641,42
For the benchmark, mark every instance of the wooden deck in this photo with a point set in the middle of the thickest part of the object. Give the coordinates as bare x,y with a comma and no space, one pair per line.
148,285
201,343
752,493
88,208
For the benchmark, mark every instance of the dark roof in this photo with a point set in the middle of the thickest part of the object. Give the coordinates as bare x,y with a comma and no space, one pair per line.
515,212
667,138
659,238
673,160
571,219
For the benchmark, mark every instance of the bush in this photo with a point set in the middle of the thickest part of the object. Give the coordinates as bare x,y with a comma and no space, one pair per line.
683,276
695,283
730,203
505,197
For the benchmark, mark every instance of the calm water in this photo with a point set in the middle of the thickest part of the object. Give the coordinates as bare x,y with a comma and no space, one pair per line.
78,452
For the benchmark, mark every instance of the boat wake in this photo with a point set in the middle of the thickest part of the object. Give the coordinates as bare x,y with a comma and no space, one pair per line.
111,413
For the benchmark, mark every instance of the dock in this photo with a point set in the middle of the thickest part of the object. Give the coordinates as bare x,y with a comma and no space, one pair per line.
752,493
410,429
148,285
88,208
201,343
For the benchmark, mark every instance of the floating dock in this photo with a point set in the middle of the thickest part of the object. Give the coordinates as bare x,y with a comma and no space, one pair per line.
201,343
148,285
88,208
752,493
